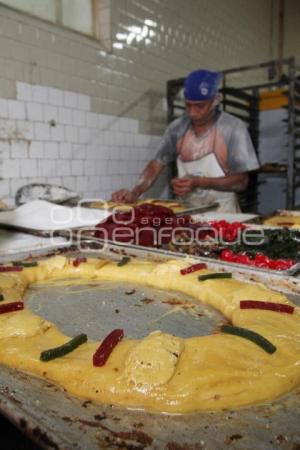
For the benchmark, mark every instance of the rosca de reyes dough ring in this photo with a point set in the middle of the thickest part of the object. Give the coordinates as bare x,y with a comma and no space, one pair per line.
255,358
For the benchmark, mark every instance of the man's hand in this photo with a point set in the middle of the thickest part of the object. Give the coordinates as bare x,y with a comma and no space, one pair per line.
147,178
184,185
124,196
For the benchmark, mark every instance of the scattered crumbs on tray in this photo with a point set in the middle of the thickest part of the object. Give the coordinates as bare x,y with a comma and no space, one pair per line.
100,416
86,403
173,301
130,292
183,304
146,301
67,419
232,438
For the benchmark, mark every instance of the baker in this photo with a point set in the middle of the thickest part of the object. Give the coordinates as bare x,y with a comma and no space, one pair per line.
212,149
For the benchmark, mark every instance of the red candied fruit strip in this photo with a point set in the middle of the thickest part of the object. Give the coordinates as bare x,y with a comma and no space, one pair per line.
102,354
11,307
11,269
277,307
193,268
78,261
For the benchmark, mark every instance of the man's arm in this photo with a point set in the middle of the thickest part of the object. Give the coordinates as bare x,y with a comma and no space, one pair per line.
166,153
145,181
235,182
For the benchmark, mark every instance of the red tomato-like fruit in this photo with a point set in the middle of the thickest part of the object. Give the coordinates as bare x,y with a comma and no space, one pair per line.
227,255
243,259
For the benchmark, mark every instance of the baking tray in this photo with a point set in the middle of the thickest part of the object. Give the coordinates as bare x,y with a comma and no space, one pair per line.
85,237
187,209
32,231
207,248
57,420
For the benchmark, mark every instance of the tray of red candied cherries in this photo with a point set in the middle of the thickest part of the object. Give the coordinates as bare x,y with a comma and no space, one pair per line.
157,227
237,243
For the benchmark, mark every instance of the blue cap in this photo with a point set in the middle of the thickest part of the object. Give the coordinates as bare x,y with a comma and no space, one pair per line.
201,85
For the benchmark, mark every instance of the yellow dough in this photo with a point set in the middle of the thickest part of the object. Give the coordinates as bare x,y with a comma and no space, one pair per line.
172,204
160,372
292,221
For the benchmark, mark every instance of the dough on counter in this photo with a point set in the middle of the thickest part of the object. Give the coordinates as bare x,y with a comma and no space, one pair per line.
172,204
161,372
283,220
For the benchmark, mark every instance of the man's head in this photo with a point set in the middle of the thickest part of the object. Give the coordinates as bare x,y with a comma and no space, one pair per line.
201,95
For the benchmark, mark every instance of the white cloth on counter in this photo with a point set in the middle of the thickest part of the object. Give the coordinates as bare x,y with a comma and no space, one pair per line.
43,215
11,242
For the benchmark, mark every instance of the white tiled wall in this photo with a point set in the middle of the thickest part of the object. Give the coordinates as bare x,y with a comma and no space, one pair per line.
73,114
65,143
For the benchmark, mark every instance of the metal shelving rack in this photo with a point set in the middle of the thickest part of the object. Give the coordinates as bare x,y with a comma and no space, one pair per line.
243,102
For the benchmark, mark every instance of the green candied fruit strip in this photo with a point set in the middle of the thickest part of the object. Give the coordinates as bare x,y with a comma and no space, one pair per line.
64,349
1,297
26,264
258,339
213,276
123,261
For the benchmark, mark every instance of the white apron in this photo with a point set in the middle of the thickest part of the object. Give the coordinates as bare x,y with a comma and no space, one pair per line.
207,166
